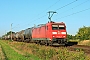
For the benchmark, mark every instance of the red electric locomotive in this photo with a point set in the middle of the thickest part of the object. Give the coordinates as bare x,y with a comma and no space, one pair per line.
51,33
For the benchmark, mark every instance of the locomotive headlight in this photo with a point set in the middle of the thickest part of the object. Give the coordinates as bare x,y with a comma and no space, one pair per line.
63,32
54,32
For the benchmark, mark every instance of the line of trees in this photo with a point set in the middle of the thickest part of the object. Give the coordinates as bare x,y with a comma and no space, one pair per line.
82,34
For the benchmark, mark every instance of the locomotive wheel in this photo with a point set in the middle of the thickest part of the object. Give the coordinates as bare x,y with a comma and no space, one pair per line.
46,43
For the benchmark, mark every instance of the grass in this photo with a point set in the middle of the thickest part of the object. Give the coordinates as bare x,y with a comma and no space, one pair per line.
84,42
47,52
73,40
11,54
2,56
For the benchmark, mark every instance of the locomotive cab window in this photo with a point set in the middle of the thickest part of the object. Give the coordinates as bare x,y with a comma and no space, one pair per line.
58,27
61,27
54,27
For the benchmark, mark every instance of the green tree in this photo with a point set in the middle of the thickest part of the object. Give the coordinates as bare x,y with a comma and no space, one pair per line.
8,33
83,33
71,37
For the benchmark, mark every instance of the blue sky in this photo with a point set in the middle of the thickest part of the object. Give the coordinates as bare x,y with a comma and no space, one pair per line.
25,13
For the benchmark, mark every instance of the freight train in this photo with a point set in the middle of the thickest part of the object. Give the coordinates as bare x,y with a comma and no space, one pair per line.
51,33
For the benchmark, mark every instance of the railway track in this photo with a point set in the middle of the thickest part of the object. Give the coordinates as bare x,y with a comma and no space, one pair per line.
84,48
74,47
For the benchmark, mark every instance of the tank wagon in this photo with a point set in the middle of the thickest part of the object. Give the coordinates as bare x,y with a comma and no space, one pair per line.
50,33
19,36
8,37
28,35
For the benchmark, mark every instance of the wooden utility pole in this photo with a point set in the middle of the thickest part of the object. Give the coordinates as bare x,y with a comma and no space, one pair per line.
11,31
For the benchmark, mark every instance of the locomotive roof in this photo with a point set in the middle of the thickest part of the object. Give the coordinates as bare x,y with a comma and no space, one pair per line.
40,25
56,22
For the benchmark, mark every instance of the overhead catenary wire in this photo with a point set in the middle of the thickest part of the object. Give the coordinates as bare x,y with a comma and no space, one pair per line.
45,10
56,9
67,5
74,7
33,19
73,13
81,4
49,7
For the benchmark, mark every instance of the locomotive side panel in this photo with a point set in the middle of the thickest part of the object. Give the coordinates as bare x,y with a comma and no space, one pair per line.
39,33
42,32
48,31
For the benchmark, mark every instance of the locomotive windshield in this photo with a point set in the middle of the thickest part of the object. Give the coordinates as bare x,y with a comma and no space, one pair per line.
58,27
61,27
54,27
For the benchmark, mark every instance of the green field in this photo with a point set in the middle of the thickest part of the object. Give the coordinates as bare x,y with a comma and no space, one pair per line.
11,54
31,51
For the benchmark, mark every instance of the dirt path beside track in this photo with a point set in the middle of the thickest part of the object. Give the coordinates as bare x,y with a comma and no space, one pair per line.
2,57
